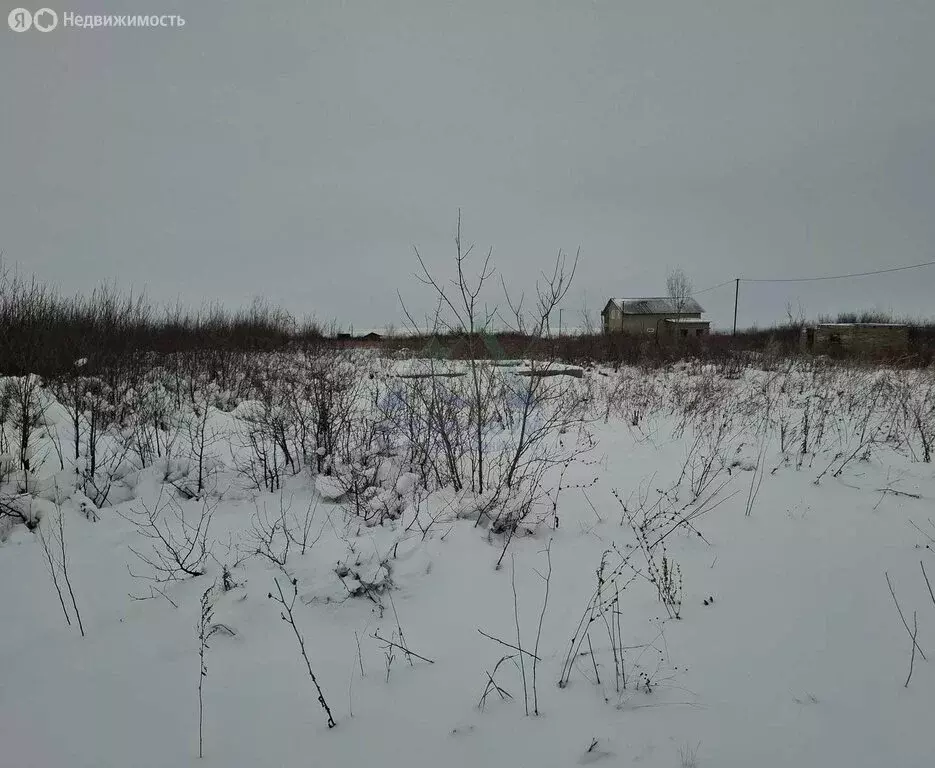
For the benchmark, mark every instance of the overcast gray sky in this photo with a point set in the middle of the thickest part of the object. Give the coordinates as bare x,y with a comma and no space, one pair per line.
298,150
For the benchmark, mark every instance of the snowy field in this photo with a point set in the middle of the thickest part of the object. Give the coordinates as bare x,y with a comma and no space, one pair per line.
693,560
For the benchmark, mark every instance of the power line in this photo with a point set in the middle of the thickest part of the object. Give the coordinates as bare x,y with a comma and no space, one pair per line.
739,280
830,277
719,285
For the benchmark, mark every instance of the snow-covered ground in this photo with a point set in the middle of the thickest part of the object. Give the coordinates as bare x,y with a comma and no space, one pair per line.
700,580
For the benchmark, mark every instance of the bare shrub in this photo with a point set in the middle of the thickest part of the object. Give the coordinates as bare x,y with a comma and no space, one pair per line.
264,465
26,409
177,548
918,406
603,606
201,436
505,432
19,509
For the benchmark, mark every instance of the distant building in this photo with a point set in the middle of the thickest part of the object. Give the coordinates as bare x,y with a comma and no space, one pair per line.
856,338
684,327
659,315
365,339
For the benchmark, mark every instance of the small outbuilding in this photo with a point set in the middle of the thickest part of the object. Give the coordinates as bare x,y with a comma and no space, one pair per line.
684,327
856,338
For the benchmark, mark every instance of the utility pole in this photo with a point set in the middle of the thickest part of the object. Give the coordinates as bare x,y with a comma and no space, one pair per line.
736,296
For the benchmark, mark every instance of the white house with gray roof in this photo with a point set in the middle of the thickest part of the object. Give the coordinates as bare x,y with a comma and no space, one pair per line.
652,315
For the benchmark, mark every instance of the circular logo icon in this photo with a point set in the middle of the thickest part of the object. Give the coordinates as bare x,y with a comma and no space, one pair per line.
19,19
45,20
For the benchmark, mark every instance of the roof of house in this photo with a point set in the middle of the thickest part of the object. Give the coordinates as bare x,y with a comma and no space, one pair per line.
659,305
687,320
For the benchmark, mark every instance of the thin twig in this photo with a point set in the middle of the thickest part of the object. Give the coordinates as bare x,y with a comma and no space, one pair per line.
403,648
289,618
519,642
927,582
905,623
506,644
504,693
51,564
593,662
545,602
64,564
928,536
402,637
912,658
360,658
900,493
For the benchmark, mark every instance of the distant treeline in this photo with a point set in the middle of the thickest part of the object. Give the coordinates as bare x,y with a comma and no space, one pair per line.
44,332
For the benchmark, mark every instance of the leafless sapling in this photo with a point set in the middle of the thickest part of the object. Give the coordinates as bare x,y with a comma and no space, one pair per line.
205,629
63,562
53,568
547,578
288,617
